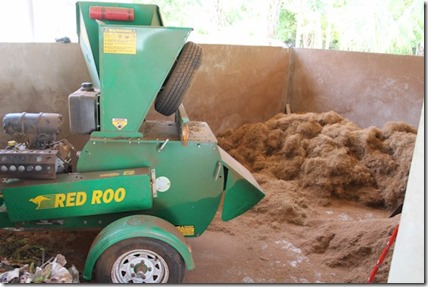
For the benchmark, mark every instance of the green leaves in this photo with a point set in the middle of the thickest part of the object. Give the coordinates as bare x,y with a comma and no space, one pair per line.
380,26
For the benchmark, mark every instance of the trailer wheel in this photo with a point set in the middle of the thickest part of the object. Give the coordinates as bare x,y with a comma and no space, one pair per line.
140,260
178,81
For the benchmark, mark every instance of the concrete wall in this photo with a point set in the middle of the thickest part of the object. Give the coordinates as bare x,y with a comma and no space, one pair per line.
234,85
36,77
369,89
237,85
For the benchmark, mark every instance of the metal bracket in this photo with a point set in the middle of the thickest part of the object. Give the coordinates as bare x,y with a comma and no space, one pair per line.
153,182
217,170
182,121
163,145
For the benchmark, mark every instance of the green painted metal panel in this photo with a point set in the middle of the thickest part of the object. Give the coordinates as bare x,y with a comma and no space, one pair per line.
242,190
137,226
128,61
195,192
147,57
87,28
5,221
81,194
78,222
92,62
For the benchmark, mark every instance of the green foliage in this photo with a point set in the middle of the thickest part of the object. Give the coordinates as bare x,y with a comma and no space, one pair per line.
286,29
382,26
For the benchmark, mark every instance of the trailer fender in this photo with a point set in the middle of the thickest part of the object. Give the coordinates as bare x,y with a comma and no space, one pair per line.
241,190
137,226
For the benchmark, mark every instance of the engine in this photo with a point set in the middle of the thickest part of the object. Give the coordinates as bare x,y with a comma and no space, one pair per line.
41,155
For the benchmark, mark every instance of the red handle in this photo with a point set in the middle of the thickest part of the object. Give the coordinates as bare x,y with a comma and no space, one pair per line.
382,256
111,13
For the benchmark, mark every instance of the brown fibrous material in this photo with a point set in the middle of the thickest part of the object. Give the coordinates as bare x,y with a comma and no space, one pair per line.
328,155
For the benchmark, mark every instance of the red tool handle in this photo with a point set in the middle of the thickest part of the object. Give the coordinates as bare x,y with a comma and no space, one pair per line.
111,13
382,256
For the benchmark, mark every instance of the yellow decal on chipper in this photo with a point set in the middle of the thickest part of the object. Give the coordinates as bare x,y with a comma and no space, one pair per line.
119,123
79,198
43,201
107,196
186,230
120,41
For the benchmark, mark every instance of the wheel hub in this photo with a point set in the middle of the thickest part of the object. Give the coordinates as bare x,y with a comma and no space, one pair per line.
140,266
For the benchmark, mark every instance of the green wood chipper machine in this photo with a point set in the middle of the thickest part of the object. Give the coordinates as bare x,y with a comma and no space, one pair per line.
146,184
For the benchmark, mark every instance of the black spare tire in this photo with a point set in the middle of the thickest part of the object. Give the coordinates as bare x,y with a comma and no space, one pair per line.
178,81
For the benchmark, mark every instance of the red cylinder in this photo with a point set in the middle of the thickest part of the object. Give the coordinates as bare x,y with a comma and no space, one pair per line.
111,13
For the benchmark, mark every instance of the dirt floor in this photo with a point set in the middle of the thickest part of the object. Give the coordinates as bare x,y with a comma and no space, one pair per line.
330,187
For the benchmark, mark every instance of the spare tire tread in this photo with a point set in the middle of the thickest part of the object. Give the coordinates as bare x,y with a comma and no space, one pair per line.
178,81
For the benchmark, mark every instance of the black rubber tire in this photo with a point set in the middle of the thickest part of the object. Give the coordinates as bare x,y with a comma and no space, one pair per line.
174,261
179,79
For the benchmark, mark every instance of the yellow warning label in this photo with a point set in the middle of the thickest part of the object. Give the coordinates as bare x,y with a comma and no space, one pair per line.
120,41
119,123
186,230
